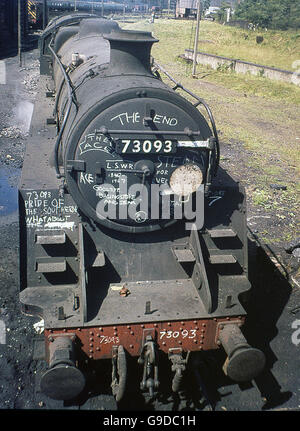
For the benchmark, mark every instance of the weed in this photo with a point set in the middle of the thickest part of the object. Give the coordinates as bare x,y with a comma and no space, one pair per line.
260,197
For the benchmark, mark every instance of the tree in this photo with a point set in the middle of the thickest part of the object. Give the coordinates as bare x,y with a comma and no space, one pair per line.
222,13
294,21
205,5
254,11
277,14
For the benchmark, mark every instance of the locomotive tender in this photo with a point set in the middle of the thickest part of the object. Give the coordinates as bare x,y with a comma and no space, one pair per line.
132,240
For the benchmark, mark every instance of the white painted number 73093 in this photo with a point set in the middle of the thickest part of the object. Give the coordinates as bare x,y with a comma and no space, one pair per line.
146,146
184,333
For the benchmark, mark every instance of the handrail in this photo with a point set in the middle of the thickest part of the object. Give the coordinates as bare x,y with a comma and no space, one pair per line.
66,116
199,101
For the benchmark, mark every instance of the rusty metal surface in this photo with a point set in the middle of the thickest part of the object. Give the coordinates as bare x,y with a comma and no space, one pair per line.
188,335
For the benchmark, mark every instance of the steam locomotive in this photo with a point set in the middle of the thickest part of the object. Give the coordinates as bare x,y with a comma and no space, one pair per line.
35,9
133,239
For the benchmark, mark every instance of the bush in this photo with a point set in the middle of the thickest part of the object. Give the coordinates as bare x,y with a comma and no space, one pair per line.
221,14
276,14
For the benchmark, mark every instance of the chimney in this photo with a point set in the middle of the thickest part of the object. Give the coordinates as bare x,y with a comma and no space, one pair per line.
130,52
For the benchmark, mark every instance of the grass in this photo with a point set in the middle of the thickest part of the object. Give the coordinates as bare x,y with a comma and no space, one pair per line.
260,114
257,86
255,122
279,49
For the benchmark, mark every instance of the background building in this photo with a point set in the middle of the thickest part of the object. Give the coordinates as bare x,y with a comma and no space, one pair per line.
186,8
31,18
9,24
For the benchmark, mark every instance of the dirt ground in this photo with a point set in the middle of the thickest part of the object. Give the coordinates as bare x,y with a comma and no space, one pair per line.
260,147
274,309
